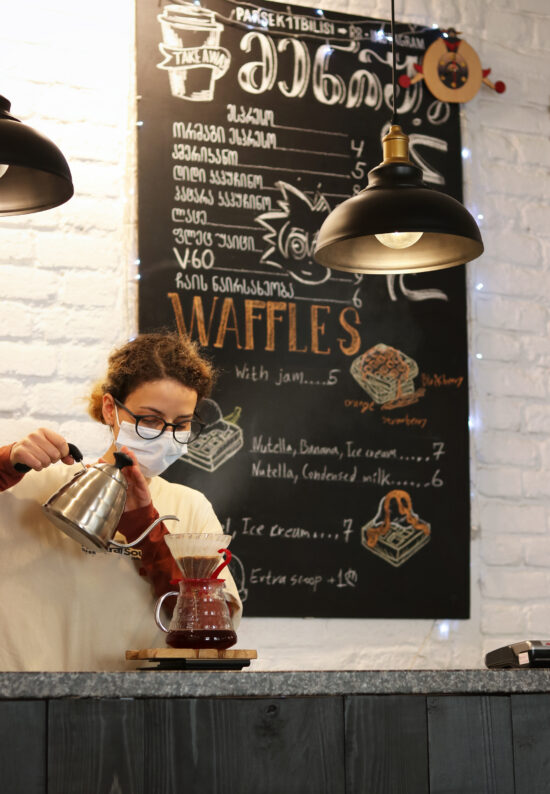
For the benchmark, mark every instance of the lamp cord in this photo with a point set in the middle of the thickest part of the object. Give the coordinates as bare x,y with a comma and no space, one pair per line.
394,112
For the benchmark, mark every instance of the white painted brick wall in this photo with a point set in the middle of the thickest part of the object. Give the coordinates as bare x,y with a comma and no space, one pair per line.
499,447
500,413
500,519
67,299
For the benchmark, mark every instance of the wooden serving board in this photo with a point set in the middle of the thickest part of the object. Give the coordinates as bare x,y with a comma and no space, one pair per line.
193,658
191,653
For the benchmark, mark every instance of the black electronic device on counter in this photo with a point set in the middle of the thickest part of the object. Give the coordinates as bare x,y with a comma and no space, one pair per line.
527,653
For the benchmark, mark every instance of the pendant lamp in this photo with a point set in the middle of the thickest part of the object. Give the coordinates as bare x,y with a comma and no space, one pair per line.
397,224
34,175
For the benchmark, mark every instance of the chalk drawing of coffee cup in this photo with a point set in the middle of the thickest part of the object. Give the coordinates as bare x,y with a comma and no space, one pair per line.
192,55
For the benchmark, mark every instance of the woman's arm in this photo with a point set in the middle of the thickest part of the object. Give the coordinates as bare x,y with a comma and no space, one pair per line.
157,564
36,451
8,475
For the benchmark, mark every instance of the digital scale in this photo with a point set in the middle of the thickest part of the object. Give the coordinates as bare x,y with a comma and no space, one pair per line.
528,653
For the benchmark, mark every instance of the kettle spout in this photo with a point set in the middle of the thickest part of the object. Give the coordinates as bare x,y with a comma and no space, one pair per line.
143,534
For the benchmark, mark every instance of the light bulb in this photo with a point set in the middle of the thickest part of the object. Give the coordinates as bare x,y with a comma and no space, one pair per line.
3,169
399,239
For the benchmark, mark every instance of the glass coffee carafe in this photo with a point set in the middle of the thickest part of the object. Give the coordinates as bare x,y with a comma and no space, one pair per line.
201,616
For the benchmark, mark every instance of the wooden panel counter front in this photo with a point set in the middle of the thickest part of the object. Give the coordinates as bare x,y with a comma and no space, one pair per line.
366,732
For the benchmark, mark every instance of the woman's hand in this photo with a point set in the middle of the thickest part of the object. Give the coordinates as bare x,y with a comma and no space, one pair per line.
40,449
138,494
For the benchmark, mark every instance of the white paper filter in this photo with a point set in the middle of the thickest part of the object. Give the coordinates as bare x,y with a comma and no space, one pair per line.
188,544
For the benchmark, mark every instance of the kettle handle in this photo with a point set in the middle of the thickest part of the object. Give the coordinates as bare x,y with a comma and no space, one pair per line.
159,603
73,450
143,534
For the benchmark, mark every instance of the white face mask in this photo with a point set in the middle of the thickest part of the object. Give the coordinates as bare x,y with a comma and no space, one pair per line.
154,455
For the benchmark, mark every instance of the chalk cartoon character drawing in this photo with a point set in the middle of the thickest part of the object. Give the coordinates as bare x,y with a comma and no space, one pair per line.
191,48
289,239
220,439
387,375
395,534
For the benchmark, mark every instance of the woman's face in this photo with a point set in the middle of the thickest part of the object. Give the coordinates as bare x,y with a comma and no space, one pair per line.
168,399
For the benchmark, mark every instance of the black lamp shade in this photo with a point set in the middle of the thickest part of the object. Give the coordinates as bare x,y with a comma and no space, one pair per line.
38,176
346,239
397,200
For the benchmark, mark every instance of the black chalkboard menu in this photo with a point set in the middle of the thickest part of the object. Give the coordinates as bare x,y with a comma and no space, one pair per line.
336,450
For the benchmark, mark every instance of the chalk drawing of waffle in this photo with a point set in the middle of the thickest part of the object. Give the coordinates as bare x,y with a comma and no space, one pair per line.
220,439
387,375
395,535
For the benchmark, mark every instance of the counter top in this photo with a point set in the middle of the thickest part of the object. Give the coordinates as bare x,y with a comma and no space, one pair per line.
246,683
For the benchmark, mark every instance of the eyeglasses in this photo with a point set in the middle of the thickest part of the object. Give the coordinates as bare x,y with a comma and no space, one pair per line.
184,432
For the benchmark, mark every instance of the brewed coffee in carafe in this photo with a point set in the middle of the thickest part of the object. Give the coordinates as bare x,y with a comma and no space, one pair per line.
201,616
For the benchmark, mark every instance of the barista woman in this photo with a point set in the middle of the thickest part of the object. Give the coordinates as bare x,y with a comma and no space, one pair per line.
68,609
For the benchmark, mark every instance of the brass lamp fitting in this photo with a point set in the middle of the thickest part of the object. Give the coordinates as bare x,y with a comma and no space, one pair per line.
395,146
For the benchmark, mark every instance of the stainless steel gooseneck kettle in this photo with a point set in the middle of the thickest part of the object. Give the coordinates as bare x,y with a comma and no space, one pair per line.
89,507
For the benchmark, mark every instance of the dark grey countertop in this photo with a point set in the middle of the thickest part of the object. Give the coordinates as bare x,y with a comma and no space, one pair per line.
246,683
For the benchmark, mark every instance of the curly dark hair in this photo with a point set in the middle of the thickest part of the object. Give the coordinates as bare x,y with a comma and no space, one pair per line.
150,357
